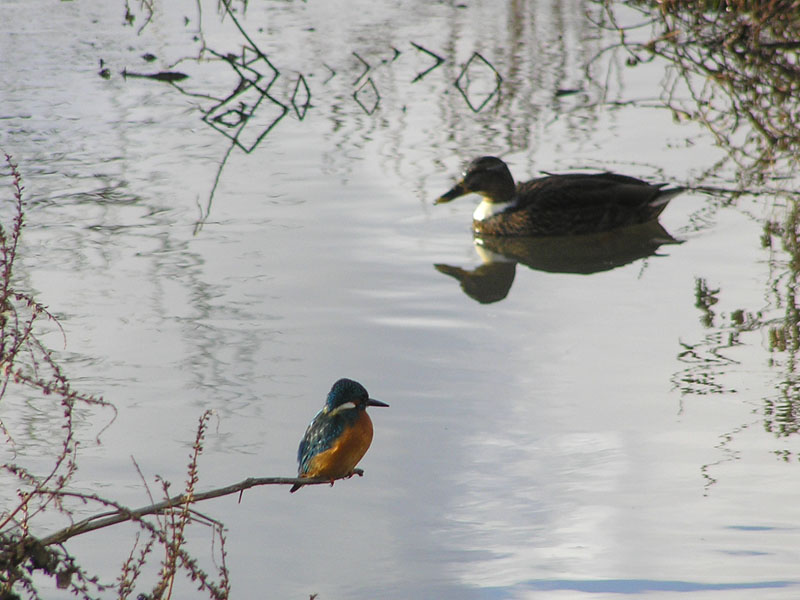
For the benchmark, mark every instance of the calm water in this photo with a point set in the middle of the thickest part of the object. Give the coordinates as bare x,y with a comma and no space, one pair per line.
595,433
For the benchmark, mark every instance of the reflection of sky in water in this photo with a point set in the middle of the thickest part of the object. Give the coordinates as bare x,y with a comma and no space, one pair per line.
551,441
542,521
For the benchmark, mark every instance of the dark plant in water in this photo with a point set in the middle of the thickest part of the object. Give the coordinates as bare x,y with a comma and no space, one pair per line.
27,366
25,362
731,65
733,68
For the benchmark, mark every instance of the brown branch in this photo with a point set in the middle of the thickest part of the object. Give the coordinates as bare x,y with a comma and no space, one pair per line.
122,514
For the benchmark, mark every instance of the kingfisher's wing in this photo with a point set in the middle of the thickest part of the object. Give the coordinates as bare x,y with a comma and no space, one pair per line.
319,437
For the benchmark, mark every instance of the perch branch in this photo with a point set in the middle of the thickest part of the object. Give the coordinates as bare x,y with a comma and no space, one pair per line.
122,514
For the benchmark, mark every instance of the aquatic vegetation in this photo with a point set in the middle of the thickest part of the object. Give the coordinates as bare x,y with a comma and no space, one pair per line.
29,367
732,67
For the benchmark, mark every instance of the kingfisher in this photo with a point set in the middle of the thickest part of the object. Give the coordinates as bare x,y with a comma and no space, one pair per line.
339,435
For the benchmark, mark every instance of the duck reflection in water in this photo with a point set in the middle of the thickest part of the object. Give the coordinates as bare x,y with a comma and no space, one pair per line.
580,254
572,223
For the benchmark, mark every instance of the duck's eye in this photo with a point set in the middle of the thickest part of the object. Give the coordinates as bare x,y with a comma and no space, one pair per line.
472,178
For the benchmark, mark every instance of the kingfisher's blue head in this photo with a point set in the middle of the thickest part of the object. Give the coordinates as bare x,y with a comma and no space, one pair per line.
347,393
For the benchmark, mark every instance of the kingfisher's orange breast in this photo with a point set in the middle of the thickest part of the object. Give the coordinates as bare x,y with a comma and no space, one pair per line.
343,456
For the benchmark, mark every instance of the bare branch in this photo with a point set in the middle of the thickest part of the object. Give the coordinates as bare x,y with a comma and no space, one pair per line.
123,514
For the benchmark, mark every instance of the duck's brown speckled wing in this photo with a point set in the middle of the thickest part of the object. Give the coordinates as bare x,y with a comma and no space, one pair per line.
577,204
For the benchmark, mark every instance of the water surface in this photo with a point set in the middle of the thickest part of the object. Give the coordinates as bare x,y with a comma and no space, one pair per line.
595,433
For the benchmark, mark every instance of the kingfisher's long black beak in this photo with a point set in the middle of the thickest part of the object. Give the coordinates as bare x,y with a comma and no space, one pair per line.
458,190
373,402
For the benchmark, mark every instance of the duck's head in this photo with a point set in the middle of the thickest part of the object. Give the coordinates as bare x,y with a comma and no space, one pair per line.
488,176
347,394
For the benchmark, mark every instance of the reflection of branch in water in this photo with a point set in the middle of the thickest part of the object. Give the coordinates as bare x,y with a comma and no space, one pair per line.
244,108
367,67
706,362
252,108
204,213
250,112
166,76
245,105
241,116
366,95
730,455
782,416
439,60
706,366
706,359
488,82
147,7
705,298
300,108
332,73
779,411
739,68
782,412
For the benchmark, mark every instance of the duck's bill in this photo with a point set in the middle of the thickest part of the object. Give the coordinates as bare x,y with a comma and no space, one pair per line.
373,402
458,190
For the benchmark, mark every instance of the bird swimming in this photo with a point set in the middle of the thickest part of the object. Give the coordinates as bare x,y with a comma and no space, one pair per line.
339,435
557,205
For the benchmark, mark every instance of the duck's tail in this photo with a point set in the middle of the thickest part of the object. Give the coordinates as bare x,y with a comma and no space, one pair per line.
665,195
659,202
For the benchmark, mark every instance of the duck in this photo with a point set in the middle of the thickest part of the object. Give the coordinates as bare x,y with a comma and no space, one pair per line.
557,204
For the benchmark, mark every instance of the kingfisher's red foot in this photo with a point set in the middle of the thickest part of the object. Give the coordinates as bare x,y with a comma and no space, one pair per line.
355,472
